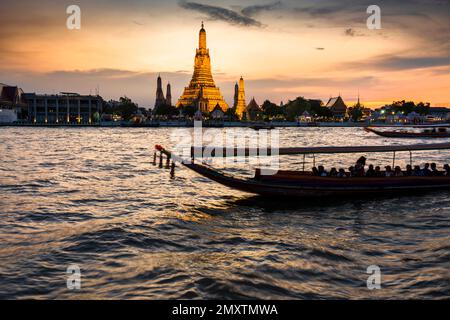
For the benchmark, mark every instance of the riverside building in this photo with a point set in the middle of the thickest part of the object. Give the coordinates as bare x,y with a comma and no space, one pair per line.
64,108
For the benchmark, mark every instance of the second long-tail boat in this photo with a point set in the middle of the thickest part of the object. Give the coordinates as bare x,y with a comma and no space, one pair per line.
440,132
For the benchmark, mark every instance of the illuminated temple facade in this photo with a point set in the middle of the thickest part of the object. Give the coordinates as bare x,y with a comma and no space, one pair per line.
202,91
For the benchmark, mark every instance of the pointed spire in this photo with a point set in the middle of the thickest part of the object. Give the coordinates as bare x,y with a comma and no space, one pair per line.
202,38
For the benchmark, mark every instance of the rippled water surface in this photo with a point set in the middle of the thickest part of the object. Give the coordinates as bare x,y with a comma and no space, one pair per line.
91,197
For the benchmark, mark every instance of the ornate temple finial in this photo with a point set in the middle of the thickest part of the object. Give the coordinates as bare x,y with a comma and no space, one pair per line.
203,25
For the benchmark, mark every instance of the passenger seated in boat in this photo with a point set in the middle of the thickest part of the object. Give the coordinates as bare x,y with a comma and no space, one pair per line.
398,172
417,172
447,170
315,172
389,172
409,170
333,172
426,170
378,172
351,171
371,172
341,173
434,171
322,172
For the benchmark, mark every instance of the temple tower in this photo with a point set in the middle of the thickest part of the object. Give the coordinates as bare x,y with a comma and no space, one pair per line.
241,105
160,100
236,95
169,95
202,80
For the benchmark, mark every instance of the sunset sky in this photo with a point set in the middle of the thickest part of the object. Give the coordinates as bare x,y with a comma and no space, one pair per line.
283,49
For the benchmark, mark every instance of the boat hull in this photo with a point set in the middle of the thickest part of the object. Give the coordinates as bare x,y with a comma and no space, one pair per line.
299,186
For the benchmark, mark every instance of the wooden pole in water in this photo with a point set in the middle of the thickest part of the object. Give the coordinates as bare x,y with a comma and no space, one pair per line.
172,170
168,161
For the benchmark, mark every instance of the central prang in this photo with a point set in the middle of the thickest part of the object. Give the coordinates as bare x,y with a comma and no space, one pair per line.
202,91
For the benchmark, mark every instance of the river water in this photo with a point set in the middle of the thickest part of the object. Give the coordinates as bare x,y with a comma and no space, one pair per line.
91,197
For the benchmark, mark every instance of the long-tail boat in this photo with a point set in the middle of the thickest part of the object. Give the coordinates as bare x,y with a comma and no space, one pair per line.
303,184
440,132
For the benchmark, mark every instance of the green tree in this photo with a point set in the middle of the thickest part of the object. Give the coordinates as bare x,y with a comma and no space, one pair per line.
166,110
296,108
231,114
189,111
270,109
356,112
126,108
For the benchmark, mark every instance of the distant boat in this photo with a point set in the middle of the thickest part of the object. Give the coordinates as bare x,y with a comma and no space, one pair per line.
303,184
261,126
439,132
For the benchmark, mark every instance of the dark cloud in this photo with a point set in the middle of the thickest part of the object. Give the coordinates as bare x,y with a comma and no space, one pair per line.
317,81
222,14
391,62
253,10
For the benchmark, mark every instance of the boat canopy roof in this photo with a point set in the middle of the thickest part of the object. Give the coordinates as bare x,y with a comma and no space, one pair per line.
240,152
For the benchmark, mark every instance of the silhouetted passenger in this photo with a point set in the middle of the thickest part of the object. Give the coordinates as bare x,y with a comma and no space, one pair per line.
333,172
359,170
341,173
378,172
434,171
409,170
389,172
417,172
351,171
315,172
447,170
322,172
426,170
371,172
398,172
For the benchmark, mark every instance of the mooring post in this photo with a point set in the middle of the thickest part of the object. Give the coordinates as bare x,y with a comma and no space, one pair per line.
172,170
168,161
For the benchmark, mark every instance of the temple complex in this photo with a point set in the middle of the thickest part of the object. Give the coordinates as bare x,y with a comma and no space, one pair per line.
202,91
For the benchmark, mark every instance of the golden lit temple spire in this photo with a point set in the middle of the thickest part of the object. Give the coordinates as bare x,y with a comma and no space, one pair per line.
241,105
202,38
202,81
